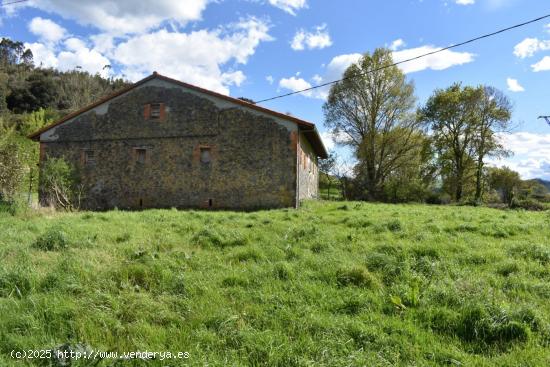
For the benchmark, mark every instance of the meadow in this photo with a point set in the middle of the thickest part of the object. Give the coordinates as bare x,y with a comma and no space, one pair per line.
330,284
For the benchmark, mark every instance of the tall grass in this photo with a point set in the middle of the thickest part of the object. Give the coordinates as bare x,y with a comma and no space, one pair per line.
331,284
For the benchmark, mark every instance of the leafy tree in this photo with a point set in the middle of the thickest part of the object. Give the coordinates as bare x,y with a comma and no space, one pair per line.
60,184
494,111
37,91
451,115
14,52
326,167
11,165
506,182
371,108
415,180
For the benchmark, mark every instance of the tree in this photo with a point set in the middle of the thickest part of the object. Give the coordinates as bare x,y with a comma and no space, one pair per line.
494,111
60,184
413,181
14,52
11,166
371,108
451,115
326,167
506,182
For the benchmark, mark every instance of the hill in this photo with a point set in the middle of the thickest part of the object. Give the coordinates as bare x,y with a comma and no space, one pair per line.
544,183
331,284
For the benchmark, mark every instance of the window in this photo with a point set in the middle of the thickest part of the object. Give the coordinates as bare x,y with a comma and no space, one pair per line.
141,155
155,110
89,157
205,155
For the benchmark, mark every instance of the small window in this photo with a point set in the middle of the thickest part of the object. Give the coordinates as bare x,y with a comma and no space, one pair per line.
205,155
89,157
155,110
141,155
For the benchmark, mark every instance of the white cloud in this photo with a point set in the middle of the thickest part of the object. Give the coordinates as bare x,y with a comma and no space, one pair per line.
124,16
46,30
514,86
440,61
397,44
465,2
76,54
295,84
196,57
290,6
338,65
270,79
542,65
319,38
531,154
43,55
103,42
529,46
333,71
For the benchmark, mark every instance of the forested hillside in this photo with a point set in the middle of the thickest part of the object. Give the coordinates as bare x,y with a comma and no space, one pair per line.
31,97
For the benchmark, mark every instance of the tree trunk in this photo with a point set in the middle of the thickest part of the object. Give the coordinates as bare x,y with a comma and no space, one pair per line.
479,181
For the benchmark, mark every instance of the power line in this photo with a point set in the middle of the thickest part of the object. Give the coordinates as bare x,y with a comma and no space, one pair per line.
408,60
13,2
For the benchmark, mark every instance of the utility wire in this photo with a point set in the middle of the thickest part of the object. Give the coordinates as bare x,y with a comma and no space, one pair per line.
13,2
408,60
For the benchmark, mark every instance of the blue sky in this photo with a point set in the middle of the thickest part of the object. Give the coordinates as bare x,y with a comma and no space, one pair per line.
261,48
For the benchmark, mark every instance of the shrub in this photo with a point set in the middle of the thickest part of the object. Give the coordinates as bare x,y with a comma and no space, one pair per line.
528,204
60,184
53,240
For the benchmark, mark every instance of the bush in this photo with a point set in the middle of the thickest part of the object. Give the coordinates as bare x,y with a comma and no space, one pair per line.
60,184
52,240
435,198
528,204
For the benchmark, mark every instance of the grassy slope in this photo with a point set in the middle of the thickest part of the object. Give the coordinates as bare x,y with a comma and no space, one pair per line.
331,284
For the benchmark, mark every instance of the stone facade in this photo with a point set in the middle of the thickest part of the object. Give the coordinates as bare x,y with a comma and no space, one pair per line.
204,151
308,172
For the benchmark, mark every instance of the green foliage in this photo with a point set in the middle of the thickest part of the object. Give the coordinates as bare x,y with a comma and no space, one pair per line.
528,204
60,184
373,113
506,182
11,166
439,287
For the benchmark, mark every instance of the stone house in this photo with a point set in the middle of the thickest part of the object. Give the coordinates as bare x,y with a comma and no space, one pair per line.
162,143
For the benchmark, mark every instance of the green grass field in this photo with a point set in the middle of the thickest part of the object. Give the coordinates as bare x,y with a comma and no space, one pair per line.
331,284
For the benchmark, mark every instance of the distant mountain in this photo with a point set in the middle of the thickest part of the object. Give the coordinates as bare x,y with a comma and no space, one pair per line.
543,182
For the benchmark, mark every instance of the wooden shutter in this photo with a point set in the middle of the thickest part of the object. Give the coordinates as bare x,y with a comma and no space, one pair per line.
147,111
162,111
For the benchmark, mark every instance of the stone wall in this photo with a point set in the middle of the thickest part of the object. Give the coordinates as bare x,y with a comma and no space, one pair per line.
253,157
308,172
